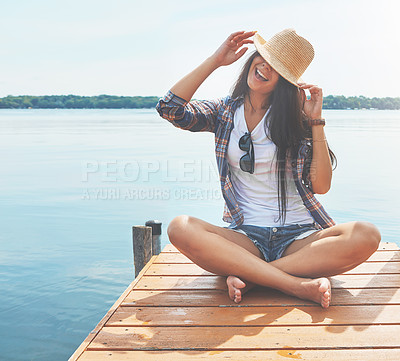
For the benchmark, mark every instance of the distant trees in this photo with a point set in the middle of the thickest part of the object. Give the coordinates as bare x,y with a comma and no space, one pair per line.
361,102
118,102
77,102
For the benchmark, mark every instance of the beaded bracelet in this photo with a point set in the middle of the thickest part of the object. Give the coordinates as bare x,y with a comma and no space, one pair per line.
316,121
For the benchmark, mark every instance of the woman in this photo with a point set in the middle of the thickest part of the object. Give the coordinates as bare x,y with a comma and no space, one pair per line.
272,157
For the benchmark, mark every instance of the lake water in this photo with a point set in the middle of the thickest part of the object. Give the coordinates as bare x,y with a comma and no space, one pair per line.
73,182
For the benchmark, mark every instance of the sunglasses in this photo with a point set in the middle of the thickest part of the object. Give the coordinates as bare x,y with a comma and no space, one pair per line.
246,162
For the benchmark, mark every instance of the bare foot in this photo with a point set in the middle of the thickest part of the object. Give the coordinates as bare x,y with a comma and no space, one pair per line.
236,288
317,290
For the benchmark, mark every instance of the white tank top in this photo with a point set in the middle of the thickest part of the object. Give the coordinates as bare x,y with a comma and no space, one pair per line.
257,193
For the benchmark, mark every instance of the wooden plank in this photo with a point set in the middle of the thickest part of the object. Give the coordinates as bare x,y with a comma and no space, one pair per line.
254,316
379,256
176,282
170,248
366,281
185,269
219,282
385,256
257,297
373,268
172,258
110,312
248,338
255,355
391,246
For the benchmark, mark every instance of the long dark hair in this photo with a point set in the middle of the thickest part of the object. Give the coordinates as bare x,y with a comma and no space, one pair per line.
285,126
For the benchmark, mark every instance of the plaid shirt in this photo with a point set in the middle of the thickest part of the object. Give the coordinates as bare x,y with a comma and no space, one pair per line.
217,117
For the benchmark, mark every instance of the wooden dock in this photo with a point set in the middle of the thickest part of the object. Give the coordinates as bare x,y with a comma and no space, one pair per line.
175,310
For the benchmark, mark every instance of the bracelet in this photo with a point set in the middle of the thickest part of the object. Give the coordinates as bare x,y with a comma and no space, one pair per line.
320,121
322,140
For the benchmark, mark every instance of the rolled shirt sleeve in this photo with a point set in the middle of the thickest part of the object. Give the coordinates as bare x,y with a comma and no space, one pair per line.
195,116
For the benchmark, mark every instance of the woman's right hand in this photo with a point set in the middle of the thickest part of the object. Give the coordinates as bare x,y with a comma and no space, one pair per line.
228,52
225,55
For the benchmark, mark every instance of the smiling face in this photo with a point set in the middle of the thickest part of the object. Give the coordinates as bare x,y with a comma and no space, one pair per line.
261,79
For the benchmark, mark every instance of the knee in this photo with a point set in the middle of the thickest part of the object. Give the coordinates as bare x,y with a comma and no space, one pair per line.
366,238
179,230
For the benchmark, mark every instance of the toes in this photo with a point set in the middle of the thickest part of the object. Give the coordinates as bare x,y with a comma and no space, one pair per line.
232,294
238,296
231,289
326,299
235,285
324,289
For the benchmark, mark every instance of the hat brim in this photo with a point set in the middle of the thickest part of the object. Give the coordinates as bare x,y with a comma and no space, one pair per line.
259,43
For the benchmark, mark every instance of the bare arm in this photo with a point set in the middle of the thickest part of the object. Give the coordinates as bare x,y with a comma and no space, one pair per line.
226,54
321,166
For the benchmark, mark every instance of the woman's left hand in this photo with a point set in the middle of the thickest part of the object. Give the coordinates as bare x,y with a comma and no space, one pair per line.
313,106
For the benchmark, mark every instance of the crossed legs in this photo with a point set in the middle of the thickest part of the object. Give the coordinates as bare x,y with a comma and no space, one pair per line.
300,272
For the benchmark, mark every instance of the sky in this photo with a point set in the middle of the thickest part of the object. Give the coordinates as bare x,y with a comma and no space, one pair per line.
130,47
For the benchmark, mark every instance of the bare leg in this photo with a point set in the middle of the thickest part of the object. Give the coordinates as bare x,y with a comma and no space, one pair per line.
325,253
203,243
330,251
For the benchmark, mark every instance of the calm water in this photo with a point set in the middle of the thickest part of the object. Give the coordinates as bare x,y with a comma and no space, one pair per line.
74,182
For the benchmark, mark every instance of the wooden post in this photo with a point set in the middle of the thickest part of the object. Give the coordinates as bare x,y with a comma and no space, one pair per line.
142,246
156,233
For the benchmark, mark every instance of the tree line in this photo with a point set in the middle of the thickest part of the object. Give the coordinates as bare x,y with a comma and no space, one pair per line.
76,102
360,102
120,102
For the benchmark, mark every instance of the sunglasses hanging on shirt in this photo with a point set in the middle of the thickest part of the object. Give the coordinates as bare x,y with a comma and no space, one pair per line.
246,162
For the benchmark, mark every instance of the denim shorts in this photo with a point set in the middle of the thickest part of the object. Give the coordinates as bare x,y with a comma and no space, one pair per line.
273,241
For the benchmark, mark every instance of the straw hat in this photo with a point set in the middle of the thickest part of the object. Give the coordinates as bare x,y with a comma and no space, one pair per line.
288,53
